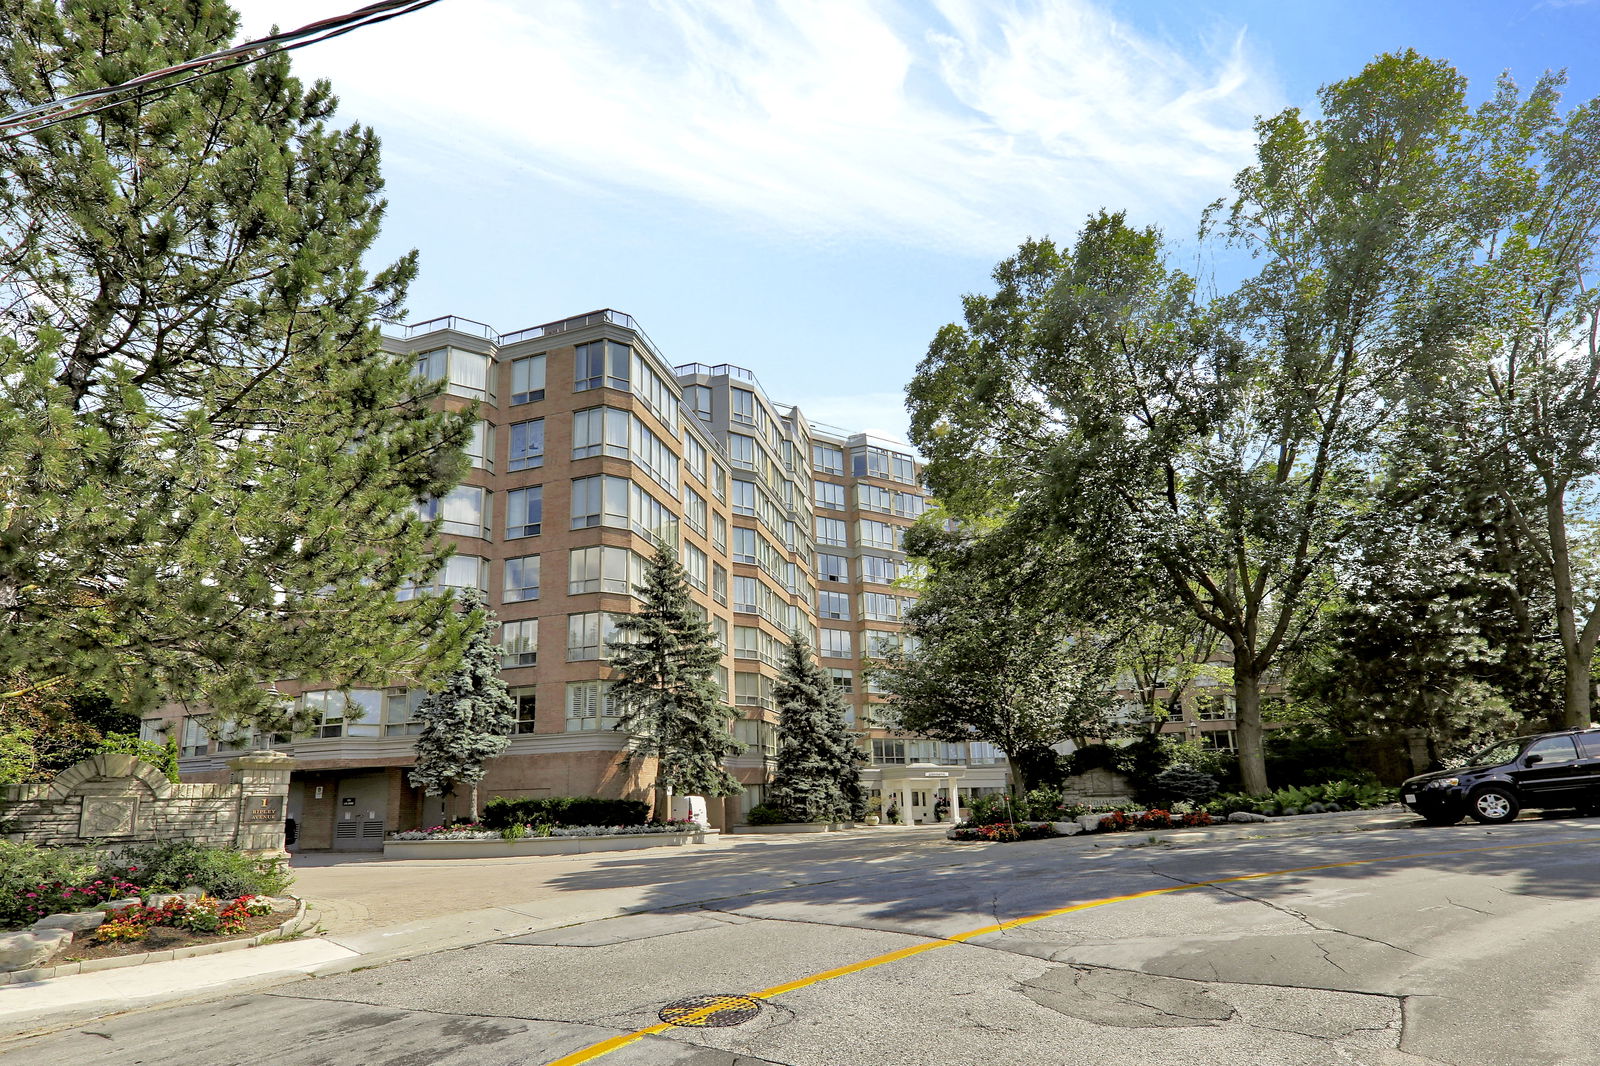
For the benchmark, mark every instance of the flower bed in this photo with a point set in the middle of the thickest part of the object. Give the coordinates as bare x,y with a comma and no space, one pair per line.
1005,832
473,841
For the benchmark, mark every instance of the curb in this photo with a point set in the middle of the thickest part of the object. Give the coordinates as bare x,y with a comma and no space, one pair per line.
293,925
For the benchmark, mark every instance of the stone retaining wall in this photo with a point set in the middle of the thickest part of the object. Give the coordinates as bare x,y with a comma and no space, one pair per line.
118,800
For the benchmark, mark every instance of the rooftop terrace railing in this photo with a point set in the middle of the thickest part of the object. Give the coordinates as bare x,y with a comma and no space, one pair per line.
720,370
469,326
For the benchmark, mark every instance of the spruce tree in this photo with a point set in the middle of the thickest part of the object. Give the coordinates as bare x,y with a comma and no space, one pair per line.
207,464
665,689
470,719
817,777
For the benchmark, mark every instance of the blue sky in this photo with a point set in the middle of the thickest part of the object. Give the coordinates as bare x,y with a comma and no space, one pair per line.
807,187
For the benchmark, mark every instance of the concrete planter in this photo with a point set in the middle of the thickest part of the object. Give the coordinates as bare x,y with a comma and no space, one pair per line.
501,849
788,827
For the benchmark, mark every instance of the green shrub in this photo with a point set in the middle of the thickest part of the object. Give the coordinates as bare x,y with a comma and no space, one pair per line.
1347,795
172,865
25,867
761,814
163,757
1180,782
564,811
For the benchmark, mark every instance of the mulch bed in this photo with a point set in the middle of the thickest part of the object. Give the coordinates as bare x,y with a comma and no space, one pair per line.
162,938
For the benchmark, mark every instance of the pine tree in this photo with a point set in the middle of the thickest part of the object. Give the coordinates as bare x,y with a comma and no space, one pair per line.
470,719
665,689
207,464
817,778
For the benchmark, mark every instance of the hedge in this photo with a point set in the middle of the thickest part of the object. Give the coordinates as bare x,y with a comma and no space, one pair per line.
564,811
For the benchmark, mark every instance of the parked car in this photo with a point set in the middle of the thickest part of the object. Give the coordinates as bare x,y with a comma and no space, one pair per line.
1549,770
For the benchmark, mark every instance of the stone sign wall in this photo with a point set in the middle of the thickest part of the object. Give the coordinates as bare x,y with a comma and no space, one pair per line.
1097,788
116,799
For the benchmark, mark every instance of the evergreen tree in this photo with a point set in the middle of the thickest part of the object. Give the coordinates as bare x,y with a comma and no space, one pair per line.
817,778
664,685
470,719
207,465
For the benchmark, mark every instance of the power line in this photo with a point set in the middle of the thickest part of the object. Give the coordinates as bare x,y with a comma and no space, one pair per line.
158,82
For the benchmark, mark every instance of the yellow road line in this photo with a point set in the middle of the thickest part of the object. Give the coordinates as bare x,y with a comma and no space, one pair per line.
605,1047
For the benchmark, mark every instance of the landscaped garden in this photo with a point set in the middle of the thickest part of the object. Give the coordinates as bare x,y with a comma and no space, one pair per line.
153,897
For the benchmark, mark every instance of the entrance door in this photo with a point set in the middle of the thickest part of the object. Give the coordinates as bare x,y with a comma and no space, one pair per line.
358,819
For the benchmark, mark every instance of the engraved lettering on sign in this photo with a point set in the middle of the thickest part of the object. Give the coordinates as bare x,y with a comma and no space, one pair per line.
263,809
107,816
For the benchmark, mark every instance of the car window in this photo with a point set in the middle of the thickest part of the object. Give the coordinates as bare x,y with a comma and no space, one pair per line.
1502,752
1554,749
1591,744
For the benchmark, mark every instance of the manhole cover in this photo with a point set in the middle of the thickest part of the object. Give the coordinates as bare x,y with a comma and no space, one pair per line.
710,1012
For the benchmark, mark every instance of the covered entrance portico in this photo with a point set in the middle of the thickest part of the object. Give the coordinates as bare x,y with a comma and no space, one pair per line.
917,788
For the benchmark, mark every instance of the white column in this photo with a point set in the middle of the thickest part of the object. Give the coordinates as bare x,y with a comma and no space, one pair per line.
906,809
955,802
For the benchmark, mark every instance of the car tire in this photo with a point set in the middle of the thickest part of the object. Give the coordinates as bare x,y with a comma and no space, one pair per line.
1444,819
1493,806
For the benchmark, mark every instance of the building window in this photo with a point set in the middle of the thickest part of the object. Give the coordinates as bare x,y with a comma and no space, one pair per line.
524,699
604,569
601,363
835,644
744,594
881,607
872,534
695,510
696,564
742,451
694,455
600,431
877,569
719,481
752,690
1213,707
744,545
719,532
328,708
833,605
832,567
480,448
463,512
588,635
527,379
889,752
828,495
1220,739
524,512
400,711
195,739
519,643
742,406
719,583
527,445
826,459
590,706
458,572
698,398
832,531
464,373
522,579
843,680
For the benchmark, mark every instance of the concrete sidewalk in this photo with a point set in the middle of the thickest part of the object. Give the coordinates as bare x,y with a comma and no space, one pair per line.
370,911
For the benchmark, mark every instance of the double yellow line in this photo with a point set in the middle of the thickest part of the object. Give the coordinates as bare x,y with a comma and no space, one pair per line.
605,1047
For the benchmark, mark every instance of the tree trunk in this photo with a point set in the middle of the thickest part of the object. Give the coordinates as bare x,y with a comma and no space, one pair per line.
1247,723
1019,779
474,811
1575,658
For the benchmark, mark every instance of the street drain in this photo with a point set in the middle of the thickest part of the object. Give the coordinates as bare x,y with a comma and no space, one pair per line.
710,1012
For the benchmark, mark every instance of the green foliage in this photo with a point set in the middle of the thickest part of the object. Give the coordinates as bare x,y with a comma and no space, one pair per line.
663,670
763,814
1179,782
163,757
501,813
172,865
1340,795
817,777
996,652
469,720
24,868
208,466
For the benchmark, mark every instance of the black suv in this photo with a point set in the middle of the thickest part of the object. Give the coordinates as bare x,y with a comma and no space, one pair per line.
1548,770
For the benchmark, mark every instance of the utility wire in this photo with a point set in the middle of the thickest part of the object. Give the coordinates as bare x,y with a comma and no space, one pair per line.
158,82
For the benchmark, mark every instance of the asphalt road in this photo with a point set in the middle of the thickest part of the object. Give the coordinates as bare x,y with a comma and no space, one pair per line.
1464,946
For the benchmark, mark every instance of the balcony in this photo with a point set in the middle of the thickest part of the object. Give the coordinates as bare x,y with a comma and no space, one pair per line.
720,370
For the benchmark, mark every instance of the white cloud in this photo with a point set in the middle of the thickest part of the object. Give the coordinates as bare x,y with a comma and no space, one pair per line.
880,414
959,128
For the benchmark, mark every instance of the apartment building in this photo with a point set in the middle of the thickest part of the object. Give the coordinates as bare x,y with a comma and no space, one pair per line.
590,449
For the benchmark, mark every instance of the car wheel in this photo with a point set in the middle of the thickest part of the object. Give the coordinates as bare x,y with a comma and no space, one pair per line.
1494,805
1443,819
